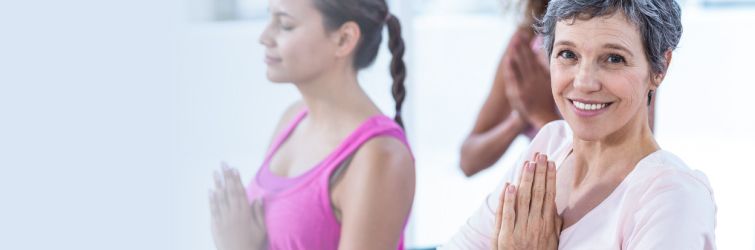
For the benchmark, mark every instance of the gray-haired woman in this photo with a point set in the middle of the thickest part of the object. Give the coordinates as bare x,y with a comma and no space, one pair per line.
615,187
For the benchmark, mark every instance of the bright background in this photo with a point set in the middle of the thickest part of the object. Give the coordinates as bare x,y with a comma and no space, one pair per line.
113,114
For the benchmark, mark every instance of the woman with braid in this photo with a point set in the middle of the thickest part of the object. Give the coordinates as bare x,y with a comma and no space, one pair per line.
338,174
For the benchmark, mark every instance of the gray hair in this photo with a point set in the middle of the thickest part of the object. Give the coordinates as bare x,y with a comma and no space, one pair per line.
659,22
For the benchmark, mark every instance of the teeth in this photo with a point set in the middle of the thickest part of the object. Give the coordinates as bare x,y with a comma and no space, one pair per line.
585,106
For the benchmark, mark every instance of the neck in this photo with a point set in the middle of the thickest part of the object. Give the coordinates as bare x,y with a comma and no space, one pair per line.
613,157
334,98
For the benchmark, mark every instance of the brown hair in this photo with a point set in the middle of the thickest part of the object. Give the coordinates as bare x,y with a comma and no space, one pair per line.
371,16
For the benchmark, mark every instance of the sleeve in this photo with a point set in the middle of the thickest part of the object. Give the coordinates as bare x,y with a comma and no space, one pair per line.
676,212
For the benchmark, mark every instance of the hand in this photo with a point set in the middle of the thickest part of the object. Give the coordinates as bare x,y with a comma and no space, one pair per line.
528,85
527,217
236,224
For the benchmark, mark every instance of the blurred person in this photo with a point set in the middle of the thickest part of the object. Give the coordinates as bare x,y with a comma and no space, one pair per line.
338,174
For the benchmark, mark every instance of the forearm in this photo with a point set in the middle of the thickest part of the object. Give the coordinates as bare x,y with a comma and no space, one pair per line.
481,150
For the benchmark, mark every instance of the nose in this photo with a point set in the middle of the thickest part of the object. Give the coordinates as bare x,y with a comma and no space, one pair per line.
586,79
266,38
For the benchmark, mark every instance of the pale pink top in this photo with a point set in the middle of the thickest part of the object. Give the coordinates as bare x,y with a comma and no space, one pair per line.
661,204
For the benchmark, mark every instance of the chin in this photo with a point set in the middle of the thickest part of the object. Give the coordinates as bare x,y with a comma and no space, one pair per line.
276,77
587,131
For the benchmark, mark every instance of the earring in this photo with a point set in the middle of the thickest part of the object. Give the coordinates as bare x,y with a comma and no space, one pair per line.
650,97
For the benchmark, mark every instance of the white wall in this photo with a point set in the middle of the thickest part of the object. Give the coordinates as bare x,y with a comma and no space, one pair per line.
87,124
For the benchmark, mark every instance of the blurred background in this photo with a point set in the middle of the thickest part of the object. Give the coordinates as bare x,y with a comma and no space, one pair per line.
113,114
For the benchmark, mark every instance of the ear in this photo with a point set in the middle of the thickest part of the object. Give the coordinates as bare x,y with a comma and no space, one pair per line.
346,38
658,78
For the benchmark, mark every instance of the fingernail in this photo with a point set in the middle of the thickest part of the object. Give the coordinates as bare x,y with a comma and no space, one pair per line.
543,157
531,166
510,189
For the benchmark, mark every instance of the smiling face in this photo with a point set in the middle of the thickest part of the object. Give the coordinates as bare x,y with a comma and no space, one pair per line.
297,46
600,76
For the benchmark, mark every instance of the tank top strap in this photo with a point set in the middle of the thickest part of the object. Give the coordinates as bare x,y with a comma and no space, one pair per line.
284,134
378,125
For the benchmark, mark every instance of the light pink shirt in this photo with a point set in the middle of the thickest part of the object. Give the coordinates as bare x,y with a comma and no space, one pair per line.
661,204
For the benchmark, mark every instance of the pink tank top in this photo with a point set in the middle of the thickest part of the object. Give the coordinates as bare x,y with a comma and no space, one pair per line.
298,212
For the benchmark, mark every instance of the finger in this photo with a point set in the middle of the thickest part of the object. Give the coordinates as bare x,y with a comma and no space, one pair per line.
238,189
238,185
538,189
559,224
214,210
221,200
549,207
523,58
258,213
509,214
516,71
228,180
530,57
524,194
499,212
218,180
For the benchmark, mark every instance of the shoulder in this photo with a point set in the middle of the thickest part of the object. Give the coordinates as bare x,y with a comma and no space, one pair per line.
385,158
667,196
665,180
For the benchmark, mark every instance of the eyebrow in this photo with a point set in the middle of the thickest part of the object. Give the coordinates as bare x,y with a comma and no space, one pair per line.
565,43
607,46
278,13
617,47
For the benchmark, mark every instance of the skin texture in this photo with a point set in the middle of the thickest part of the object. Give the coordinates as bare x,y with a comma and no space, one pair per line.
373,196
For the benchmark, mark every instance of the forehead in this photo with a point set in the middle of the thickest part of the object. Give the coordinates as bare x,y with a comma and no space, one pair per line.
292,8
597,31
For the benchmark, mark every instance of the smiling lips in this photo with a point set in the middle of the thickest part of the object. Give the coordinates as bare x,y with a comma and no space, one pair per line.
589,108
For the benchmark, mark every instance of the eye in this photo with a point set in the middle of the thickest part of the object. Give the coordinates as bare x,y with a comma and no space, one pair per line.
285,26
567,54
615,59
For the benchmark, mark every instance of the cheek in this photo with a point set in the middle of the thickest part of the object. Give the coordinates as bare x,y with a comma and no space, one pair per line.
629,87
561,78
305,52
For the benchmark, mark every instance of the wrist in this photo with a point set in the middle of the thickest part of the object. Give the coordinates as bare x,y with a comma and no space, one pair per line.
517,121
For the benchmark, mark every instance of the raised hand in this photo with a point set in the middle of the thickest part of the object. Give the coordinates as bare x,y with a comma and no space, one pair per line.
236,224
528,85
526,217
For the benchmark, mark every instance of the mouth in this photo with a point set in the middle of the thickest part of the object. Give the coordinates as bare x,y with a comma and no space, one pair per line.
587,108
272,60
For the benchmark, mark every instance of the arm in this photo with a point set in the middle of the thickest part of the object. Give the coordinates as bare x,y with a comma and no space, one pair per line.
377,191
496,127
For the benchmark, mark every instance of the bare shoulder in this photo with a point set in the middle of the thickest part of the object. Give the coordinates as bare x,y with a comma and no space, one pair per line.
387,157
